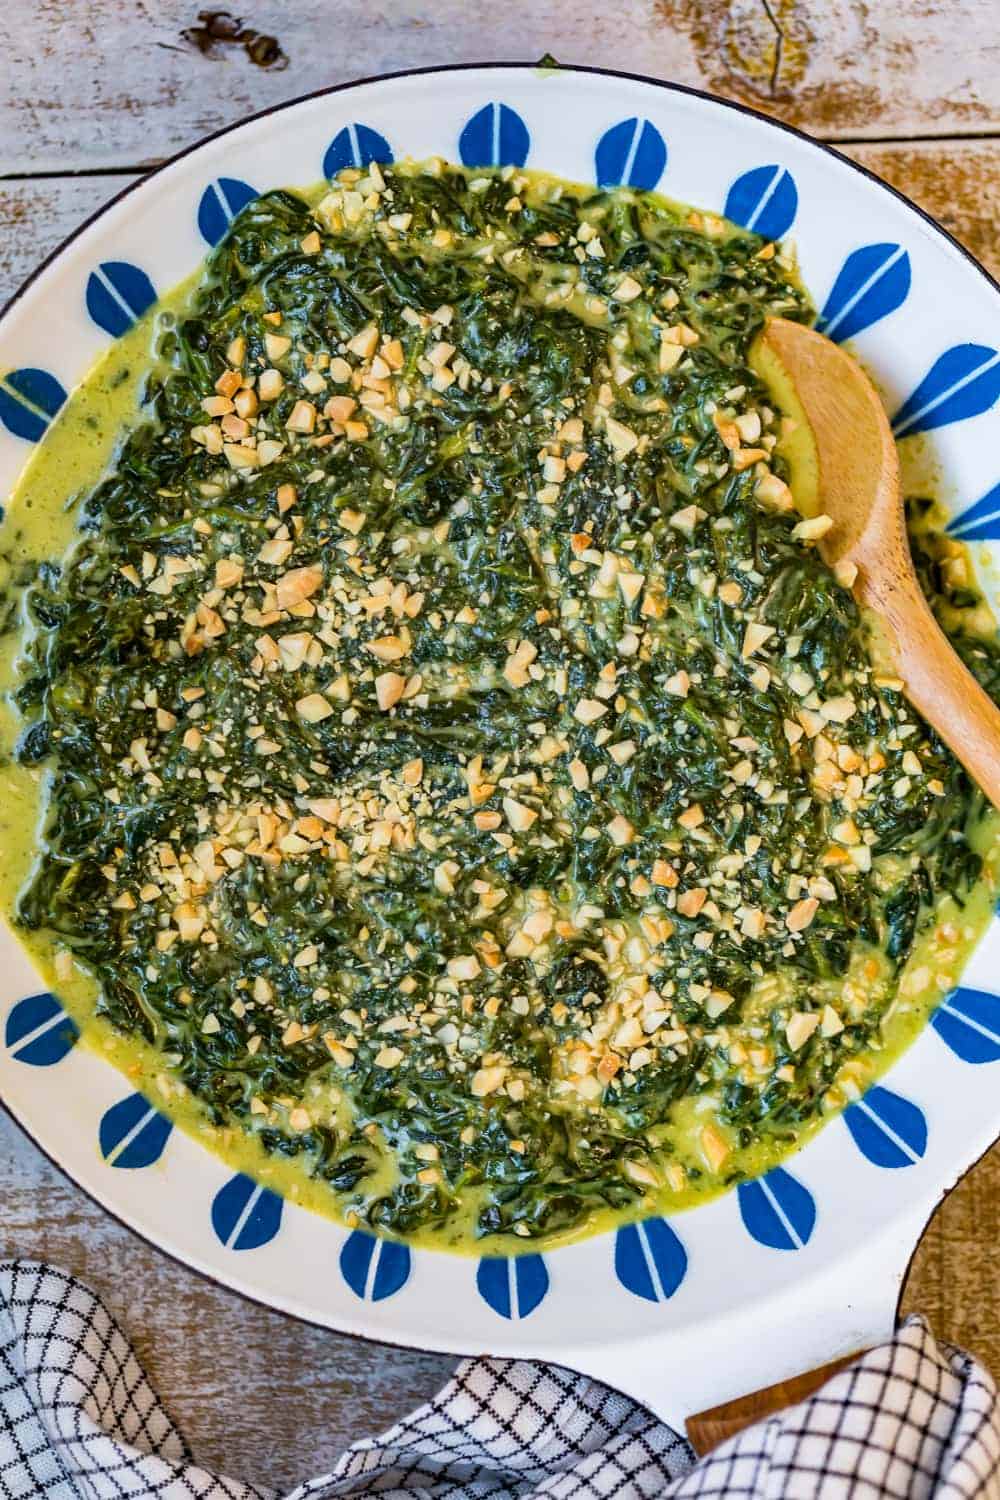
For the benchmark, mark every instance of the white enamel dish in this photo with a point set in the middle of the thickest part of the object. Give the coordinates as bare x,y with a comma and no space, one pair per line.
786,1272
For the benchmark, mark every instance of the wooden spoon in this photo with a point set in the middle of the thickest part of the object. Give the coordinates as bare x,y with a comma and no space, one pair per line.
846,467
855,470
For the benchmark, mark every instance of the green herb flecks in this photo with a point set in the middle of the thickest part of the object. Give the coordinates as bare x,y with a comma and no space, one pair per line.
464,770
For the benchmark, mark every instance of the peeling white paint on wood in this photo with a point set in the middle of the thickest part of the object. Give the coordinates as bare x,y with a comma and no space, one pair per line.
109,85
111,82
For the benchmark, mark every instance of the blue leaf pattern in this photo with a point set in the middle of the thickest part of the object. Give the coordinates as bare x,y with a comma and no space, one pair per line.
374,1269
981,522
962,382
496,136
355,146
39,1032
512,1285
245,1215
968,1021
117,296
872,283
632,153
29,399
889,1130
650,1260
777,1210
132,1133
764,200
220,203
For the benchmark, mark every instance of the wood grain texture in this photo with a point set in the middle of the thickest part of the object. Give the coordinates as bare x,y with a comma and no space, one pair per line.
957,182
112,82
103,85
37,215
709,1429
258,1395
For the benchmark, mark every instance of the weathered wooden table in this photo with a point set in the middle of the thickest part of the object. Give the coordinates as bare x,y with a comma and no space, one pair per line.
94,93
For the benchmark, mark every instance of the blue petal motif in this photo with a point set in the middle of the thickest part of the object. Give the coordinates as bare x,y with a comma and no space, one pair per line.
29,399
968,1021
512,1285
495,136
374,1269
650,1260
132,1133
632,153
872,283
355,146
764,200
889,1130
245,1215
981,522
777,1210
117,296
39,1032
962,382
220,203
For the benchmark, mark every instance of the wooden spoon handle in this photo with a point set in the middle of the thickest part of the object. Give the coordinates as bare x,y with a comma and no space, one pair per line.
939,684
710,1428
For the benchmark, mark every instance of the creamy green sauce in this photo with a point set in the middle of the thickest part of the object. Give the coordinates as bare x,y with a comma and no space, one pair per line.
698,1142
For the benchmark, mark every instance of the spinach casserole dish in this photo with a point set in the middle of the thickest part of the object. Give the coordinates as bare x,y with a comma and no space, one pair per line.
439,766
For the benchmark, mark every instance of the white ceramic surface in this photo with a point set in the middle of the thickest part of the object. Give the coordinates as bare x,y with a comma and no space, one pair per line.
762,1282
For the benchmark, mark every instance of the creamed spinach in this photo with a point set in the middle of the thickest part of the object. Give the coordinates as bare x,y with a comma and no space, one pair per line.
462,768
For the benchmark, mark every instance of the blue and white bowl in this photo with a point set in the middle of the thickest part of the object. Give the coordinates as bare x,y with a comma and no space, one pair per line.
784,1272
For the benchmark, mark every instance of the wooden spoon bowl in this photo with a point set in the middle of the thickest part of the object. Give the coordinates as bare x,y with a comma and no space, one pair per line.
846,456
855,467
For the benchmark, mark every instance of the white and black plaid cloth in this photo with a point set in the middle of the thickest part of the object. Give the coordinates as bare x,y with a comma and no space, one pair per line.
80,1421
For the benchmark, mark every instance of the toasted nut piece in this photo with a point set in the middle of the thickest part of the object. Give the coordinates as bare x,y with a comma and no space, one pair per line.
518,815
588,710
465,967
275,552
800,1027
365,343
621,438
270,384
690,903
754,637
393,354
801,914
302,418
715,1146
298,584
627,290
313,708
277,345
811,529
620,831
389,689
487,1081
339,408
388,648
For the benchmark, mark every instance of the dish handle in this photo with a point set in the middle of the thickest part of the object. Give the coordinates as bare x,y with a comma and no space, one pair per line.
779,1350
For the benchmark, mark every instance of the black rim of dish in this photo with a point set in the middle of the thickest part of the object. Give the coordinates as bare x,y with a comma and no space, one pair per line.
738,109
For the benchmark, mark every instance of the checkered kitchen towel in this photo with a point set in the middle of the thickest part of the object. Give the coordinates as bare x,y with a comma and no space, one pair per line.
80,1421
